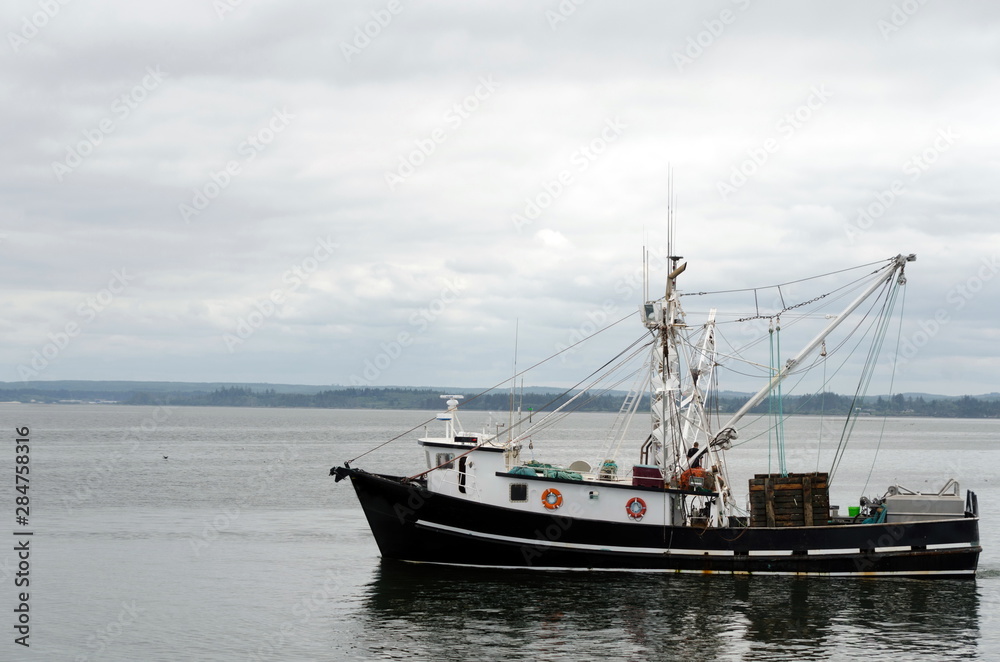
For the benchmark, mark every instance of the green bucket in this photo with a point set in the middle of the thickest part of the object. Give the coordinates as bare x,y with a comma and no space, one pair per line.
854,511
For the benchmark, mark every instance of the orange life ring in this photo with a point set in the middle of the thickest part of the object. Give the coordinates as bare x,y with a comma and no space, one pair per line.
551,498
635,508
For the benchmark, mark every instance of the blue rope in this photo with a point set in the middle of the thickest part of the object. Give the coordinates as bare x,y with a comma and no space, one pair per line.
770,395
781,410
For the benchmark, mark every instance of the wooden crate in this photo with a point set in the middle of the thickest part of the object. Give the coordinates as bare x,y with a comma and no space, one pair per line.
792,500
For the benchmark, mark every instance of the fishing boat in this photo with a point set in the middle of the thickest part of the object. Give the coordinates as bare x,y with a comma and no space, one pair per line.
670,507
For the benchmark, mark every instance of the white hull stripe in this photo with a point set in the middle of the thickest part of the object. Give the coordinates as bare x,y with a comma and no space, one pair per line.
661,551
888,573
537,542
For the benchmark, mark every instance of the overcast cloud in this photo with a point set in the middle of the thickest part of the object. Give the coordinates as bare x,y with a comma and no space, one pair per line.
337,193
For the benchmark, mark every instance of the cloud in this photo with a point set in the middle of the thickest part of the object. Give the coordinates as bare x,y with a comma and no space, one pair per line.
485,115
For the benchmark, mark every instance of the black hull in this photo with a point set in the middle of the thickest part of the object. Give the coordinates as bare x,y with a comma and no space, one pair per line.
412,524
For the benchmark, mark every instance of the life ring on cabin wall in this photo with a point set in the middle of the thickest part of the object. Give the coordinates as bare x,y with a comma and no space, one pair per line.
636,508
552,498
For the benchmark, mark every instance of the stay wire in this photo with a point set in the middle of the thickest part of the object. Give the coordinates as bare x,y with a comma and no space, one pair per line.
830,352
492,388
865,379
892,381
553,400
791,282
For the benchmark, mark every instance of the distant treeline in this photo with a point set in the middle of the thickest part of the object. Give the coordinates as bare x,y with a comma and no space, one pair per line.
403,398
372,398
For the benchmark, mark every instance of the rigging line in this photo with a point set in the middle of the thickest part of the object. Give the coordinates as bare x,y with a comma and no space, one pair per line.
867,376
782,467
634,390
805,369
480,445
795,319
864,380
749,424
557,415
817,360
494,387
564,413
822,409
582,381
793,282
841,292
892,380
770,397
851,333
736,357
785,307
835,295
619,428
803,372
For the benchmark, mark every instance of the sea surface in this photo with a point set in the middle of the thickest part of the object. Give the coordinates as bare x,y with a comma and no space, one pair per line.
217,534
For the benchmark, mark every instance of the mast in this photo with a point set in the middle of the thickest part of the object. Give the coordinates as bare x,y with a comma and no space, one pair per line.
660,318
898,264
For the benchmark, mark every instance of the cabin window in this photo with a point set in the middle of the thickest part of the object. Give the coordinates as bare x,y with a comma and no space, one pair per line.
461,473
444,460
519,492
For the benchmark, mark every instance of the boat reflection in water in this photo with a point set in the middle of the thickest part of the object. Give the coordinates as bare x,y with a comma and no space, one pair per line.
426,611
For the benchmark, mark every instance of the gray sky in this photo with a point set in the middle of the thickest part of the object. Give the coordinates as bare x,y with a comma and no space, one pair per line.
380,192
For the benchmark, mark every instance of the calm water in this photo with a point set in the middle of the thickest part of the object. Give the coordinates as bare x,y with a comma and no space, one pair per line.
240,547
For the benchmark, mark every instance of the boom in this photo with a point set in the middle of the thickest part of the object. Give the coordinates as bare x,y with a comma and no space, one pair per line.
899,262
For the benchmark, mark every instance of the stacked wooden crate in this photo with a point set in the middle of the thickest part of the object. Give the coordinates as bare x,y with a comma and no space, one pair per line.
792,500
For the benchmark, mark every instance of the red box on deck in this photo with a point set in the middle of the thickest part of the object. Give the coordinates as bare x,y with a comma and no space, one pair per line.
646,476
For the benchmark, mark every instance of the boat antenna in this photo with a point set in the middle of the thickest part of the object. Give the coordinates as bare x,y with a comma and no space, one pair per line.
513,387
671,211
645,267
520,400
